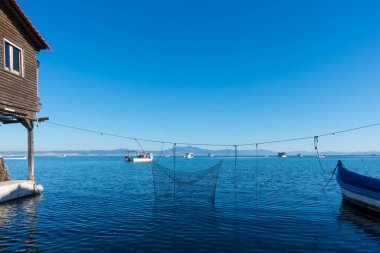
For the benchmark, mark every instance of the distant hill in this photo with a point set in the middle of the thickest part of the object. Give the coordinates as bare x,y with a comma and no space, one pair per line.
180,151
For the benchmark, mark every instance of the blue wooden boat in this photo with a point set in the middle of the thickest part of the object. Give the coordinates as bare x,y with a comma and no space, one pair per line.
359,190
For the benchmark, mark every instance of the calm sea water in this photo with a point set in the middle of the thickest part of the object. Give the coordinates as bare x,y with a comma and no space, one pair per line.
103,204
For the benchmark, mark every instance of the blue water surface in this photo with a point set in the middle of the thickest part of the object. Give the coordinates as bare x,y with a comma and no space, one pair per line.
101,204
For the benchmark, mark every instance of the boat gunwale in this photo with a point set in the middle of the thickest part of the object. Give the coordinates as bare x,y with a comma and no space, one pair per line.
356,189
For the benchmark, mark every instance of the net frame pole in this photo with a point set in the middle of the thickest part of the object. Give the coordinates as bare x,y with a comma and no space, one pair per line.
174,170
235,173
257,178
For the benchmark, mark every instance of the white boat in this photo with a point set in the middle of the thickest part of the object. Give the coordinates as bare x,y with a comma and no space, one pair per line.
300,155
189,155
140,157
15,158
210,155
321,156
282,154
62,156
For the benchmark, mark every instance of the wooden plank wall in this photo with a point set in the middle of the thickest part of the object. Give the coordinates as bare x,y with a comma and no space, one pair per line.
16,92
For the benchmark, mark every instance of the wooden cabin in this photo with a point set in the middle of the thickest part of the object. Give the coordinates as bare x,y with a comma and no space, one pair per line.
19,46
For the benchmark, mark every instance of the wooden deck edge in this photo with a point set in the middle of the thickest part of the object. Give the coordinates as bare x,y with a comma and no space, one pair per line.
15,189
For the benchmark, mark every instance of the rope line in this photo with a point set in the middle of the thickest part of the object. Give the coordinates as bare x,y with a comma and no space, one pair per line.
236,229
161,152
174,171
312,137
212,144
256,172
235,173
319,158
332,175
140,145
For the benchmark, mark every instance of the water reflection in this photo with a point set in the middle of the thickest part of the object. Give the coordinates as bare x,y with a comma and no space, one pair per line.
367,222
109,208
18,225
187,228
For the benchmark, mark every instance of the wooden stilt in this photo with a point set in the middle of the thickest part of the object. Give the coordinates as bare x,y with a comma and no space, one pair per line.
15,189
30,154
28,124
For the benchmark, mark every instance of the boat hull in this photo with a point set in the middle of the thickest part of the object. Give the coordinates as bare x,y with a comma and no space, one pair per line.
359,190
363,202
139,158
189,155
15,158
142,160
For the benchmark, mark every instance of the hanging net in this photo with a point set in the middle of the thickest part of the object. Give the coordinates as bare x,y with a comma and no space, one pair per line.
184,188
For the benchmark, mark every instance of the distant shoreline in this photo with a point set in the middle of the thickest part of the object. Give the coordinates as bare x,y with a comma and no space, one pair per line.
199,152
203,156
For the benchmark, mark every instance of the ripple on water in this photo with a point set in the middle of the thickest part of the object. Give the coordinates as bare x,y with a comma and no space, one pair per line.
102,204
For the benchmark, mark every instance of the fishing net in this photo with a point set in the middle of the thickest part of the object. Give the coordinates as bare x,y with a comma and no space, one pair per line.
184,188
4,174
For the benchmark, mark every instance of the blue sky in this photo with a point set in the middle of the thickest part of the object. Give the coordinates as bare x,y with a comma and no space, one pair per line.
206,71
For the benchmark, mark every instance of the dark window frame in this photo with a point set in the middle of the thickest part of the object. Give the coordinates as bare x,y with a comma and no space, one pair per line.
12,65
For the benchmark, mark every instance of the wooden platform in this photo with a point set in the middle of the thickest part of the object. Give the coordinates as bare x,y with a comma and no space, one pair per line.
14,189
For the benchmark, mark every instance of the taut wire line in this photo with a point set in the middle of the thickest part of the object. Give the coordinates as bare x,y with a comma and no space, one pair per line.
211,144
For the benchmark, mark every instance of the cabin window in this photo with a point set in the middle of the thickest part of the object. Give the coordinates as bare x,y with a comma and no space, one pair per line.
13,58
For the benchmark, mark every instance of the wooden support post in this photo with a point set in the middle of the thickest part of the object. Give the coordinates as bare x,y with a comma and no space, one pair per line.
28,124
30,154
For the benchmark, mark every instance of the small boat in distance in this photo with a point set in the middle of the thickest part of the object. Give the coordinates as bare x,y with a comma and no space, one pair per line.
189,155
359,190
210,155
300,155
62,155
321,156
282,154
139,157
15,158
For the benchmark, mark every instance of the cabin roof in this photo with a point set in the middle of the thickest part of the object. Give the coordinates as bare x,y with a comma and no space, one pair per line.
27,24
